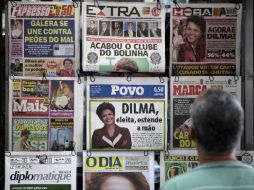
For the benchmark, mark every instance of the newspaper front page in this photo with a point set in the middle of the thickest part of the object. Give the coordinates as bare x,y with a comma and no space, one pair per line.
40,171
126,114
176,162
184,91
123,37
123,170
45,114
44,38
205,39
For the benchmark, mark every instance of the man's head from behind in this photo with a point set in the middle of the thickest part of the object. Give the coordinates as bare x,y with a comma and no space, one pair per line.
217,118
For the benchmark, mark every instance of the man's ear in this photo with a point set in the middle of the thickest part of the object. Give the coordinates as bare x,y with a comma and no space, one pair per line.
192,134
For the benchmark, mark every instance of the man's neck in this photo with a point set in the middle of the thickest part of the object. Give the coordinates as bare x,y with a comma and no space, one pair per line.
204,158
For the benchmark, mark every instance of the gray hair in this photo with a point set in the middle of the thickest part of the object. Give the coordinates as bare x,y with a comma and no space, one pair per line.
217,122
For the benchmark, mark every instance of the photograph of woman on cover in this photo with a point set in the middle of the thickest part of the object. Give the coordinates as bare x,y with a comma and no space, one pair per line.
62,97
126,65
16,29
189,43
68,70
116,181
111,135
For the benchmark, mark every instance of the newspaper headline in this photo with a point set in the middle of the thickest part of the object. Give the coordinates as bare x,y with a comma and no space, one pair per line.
128,168
43,39
123,37
125,114
40,170
205,39
183,93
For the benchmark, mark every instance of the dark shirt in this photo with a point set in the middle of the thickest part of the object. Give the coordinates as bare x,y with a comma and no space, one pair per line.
157,32
17,69
142,33
92,31
187,53
106,33
101,139
118,32
126,33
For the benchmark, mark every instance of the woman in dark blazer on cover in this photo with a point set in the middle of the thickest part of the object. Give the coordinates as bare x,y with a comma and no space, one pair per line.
111,135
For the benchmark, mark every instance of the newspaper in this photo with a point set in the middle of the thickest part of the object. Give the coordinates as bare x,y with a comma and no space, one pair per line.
123,37
40,170
45,114
176,162
183,93
246,157
44,38
205,39
126,114
123,169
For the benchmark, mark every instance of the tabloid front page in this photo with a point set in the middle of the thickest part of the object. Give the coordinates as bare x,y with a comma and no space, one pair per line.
123,36
47,112
205,39
184,91
44,38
